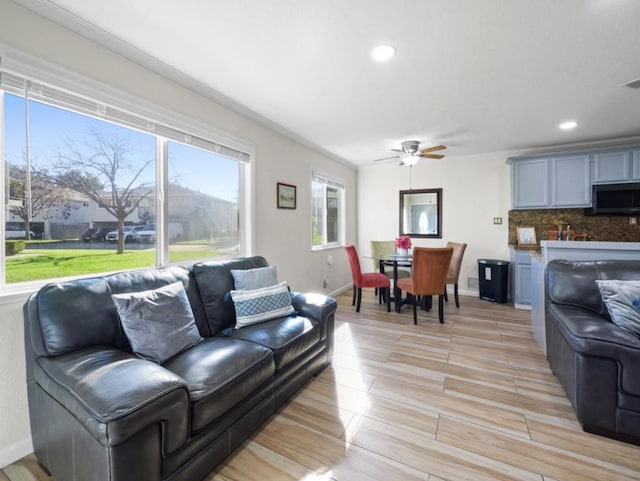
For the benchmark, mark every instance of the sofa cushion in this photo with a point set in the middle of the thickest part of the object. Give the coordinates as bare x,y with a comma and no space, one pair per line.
214,281
247,279
572,282
622,299
74,315
259,305
220,372
158,322
288,338
152,278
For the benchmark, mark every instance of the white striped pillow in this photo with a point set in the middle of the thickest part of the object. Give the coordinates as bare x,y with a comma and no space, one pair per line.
258,305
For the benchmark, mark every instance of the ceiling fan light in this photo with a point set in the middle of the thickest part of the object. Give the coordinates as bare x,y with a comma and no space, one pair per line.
410,160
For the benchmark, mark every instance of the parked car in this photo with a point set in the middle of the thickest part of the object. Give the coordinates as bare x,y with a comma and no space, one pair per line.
13,232
97,234
129,233
148,232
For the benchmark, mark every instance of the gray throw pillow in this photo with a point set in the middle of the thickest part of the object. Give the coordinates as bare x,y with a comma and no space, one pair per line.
247,279
159,323
622,299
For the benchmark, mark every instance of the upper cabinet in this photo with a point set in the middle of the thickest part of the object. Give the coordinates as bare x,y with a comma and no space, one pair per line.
571,181
530,183
616,166
552,182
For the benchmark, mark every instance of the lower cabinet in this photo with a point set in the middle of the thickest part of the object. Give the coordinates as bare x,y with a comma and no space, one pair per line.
521,261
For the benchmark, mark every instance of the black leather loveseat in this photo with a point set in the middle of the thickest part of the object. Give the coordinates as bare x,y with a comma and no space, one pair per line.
99,412
596,361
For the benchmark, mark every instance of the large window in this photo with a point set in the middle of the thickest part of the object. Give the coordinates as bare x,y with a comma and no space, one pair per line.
202,206
327,211
89,188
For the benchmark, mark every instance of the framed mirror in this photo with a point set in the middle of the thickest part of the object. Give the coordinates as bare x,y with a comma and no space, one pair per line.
421,213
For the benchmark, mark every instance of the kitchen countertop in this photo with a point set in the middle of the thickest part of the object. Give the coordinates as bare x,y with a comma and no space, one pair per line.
592,250
590,245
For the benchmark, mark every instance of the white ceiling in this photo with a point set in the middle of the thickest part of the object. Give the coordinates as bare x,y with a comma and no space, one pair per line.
477,75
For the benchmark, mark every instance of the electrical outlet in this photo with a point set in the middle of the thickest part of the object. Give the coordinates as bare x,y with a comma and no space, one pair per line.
633,221
497,220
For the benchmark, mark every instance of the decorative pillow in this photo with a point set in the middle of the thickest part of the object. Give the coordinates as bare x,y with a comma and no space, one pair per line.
247,279
159,323
622,299
258,305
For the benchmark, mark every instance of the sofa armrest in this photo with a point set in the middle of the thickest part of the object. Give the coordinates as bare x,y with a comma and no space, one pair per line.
114,394
320,308
313,306
591,334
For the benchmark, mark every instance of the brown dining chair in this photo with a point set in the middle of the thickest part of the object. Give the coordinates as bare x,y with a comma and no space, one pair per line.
428,276
368,279
454,269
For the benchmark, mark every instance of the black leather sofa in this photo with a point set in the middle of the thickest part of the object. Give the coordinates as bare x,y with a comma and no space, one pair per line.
98,412
597,362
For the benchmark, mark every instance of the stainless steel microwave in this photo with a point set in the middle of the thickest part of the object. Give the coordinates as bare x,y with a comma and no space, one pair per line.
615,199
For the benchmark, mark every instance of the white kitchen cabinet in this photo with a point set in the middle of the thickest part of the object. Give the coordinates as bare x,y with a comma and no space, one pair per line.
552,182
617,166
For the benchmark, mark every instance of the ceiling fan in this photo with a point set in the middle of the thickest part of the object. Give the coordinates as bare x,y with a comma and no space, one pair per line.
409,154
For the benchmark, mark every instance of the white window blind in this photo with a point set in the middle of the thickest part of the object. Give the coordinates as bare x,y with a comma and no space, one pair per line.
324,179
36,90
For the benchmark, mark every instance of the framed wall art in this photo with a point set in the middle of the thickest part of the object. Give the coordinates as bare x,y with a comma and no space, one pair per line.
286,196
526,236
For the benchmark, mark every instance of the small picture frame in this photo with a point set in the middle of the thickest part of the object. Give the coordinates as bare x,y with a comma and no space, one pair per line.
526,236
286,196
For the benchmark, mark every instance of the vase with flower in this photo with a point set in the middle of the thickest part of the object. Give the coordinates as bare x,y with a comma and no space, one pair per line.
403,244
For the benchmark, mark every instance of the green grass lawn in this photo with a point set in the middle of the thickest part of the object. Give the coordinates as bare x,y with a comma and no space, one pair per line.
38,264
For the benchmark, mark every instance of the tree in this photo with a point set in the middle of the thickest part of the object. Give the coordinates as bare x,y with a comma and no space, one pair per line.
106,170
42,196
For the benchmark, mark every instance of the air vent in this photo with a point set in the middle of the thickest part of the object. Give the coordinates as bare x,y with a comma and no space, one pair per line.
473,283
634,84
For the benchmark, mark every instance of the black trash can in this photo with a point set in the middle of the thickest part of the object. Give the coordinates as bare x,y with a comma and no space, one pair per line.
493,277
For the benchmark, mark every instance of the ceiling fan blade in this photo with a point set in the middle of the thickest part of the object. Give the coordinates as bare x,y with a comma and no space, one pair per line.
386,158
433,149
431,156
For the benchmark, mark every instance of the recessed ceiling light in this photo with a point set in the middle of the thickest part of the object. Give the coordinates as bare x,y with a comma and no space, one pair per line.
570,124
382,53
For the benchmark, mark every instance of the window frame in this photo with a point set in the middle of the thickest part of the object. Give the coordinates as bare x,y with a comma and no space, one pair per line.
45,73
329,181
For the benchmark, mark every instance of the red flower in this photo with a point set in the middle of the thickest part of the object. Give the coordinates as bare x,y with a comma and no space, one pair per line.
403,242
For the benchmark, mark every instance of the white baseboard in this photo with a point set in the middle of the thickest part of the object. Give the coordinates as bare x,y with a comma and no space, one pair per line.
11,454
340,290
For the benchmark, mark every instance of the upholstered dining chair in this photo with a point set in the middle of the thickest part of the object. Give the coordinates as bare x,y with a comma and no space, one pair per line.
368,279
382,249
454,269
428,276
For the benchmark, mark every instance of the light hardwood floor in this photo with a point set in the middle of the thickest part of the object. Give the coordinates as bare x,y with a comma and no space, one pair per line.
470,400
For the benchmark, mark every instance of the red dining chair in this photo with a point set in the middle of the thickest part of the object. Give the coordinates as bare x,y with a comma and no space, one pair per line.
368,279
428,276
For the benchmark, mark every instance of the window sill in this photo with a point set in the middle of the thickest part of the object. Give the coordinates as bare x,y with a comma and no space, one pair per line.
326,248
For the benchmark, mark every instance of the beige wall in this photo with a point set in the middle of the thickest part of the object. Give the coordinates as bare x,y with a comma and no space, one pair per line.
475,189
282,236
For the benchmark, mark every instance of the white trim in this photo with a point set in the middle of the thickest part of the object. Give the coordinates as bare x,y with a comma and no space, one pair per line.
15,451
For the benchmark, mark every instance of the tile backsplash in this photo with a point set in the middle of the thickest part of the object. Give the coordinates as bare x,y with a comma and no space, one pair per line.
596,227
